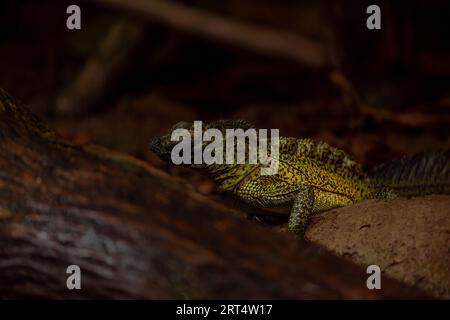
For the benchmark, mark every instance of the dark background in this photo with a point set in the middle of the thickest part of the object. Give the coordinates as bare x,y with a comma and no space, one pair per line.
380,94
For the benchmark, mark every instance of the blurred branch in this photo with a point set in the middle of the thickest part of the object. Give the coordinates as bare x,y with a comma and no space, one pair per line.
412,119
258,38
96,78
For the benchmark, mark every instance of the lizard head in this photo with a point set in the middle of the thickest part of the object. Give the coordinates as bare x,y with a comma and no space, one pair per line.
163,145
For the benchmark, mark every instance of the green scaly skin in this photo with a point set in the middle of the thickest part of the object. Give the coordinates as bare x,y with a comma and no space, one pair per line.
313,176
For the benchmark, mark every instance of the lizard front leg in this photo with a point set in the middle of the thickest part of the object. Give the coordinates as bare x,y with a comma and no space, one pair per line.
301,210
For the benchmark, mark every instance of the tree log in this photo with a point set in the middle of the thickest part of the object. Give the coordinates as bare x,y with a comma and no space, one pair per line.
136,232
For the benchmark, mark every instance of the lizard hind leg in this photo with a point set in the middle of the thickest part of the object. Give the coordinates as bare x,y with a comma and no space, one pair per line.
301,210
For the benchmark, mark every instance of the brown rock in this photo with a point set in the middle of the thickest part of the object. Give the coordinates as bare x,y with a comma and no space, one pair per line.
408,238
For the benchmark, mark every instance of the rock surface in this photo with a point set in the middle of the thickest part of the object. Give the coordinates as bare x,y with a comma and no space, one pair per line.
409,239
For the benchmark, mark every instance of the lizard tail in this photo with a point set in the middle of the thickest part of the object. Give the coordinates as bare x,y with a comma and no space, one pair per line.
421,174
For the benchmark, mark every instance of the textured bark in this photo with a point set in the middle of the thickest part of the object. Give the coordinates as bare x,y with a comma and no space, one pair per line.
136,232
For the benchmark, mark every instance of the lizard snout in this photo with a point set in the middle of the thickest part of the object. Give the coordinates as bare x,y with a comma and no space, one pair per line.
155,145
161,148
